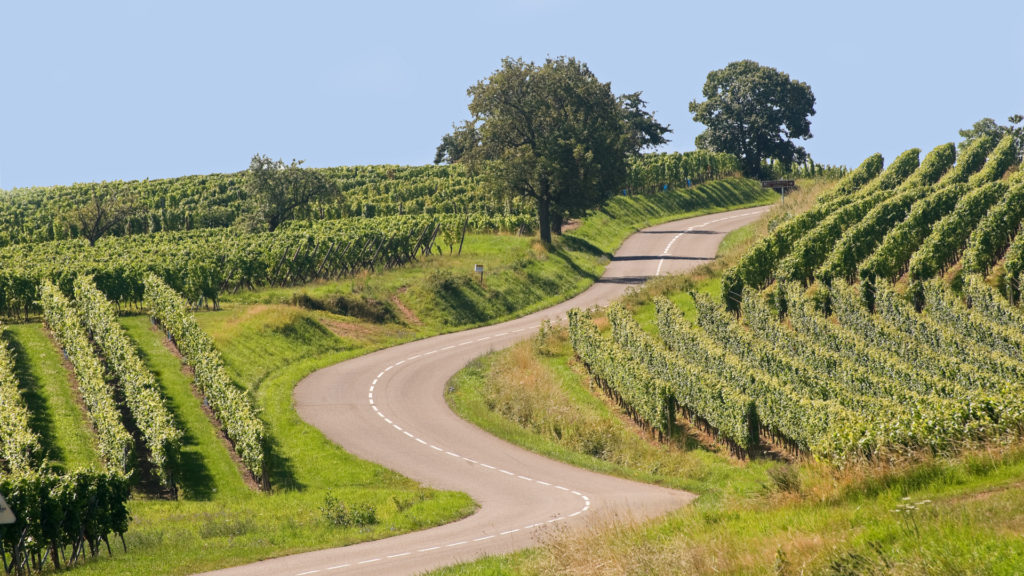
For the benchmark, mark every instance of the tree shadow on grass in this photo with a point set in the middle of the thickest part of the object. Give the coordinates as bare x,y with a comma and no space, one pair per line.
577,244
280,469
575,267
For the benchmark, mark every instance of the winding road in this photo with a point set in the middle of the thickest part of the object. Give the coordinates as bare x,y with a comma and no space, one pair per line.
388,407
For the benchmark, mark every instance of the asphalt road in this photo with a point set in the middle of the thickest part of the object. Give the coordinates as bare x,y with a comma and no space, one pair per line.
388,407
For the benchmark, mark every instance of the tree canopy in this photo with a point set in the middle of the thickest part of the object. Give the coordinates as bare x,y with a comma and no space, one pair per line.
553,133
754,112
106,210
989,127
276,189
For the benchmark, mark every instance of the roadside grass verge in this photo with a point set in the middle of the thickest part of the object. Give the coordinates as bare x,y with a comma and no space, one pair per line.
184,537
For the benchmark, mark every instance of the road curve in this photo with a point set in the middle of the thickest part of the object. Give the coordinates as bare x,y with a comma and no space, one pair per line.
388,407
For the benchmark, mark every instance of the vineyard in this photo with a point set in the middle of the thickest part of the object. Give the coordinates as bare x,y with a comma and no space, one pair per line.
383,217
160,416
879,323
61,516
31,215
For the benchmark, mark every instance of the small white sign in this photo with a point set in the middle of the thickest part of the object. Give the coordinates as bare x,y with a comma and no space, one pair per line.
6,515
478,268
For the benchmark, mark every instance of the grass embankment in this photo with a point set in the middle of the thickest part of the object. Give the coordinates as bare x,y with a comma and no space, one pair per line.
962,515
273,337
440,293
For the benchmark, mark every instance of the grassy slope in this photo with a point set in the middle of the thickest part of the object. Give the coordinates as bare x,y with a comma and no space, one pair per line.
753,517
269,345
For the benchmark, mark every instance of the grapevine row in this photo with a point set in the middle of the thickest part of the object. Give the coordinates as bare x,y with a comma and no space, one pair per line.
115,443
997,163
855,180
969,161
1013,264
986,300
859,240
232,406
943,337
948,237
160,434
947,308
923,352
897,416
813,247
864,340
646,397
757,266
652,172
892,256
217,200
727,413
20,450
202,264
821,427
991,238
54,512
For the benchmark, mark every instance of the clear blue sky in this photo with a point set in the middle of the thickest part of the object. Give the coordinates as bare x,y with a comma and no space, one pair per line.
127,90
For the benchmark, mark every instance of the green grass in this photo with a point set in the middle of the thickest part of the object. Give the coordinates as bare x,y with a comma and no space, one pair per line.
184,537
441,293
61,423
606,227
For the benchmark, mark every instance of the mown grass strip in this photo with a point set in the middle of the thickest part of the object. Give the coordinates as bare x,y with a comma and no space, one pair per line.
57,415
206,470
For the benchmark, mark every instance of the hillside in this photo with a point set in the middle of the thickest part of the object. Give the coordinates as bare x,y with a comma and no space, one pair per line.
222,469
858,412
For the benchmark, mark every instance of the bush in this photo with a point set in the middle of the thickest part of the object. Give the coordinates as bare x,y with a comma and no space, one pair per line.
369,309
336,513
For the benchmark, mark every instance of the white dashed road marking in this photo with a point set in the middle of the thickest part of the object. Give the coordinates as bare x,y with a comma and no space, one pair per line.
377,382
583,497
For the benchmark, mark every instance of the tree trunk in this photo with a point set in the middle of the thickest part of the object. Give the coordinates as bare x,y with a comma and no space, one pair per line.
556,222
544,219
544,211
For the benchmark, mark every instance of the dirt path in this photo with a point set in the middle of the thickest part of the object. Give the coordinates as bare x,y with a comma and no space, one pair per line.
388,407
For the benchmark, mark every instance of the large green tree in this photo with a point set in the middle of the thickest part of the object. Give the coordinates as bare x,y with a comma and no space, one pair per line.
989,127
754,112
275,190
108,209
553,133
